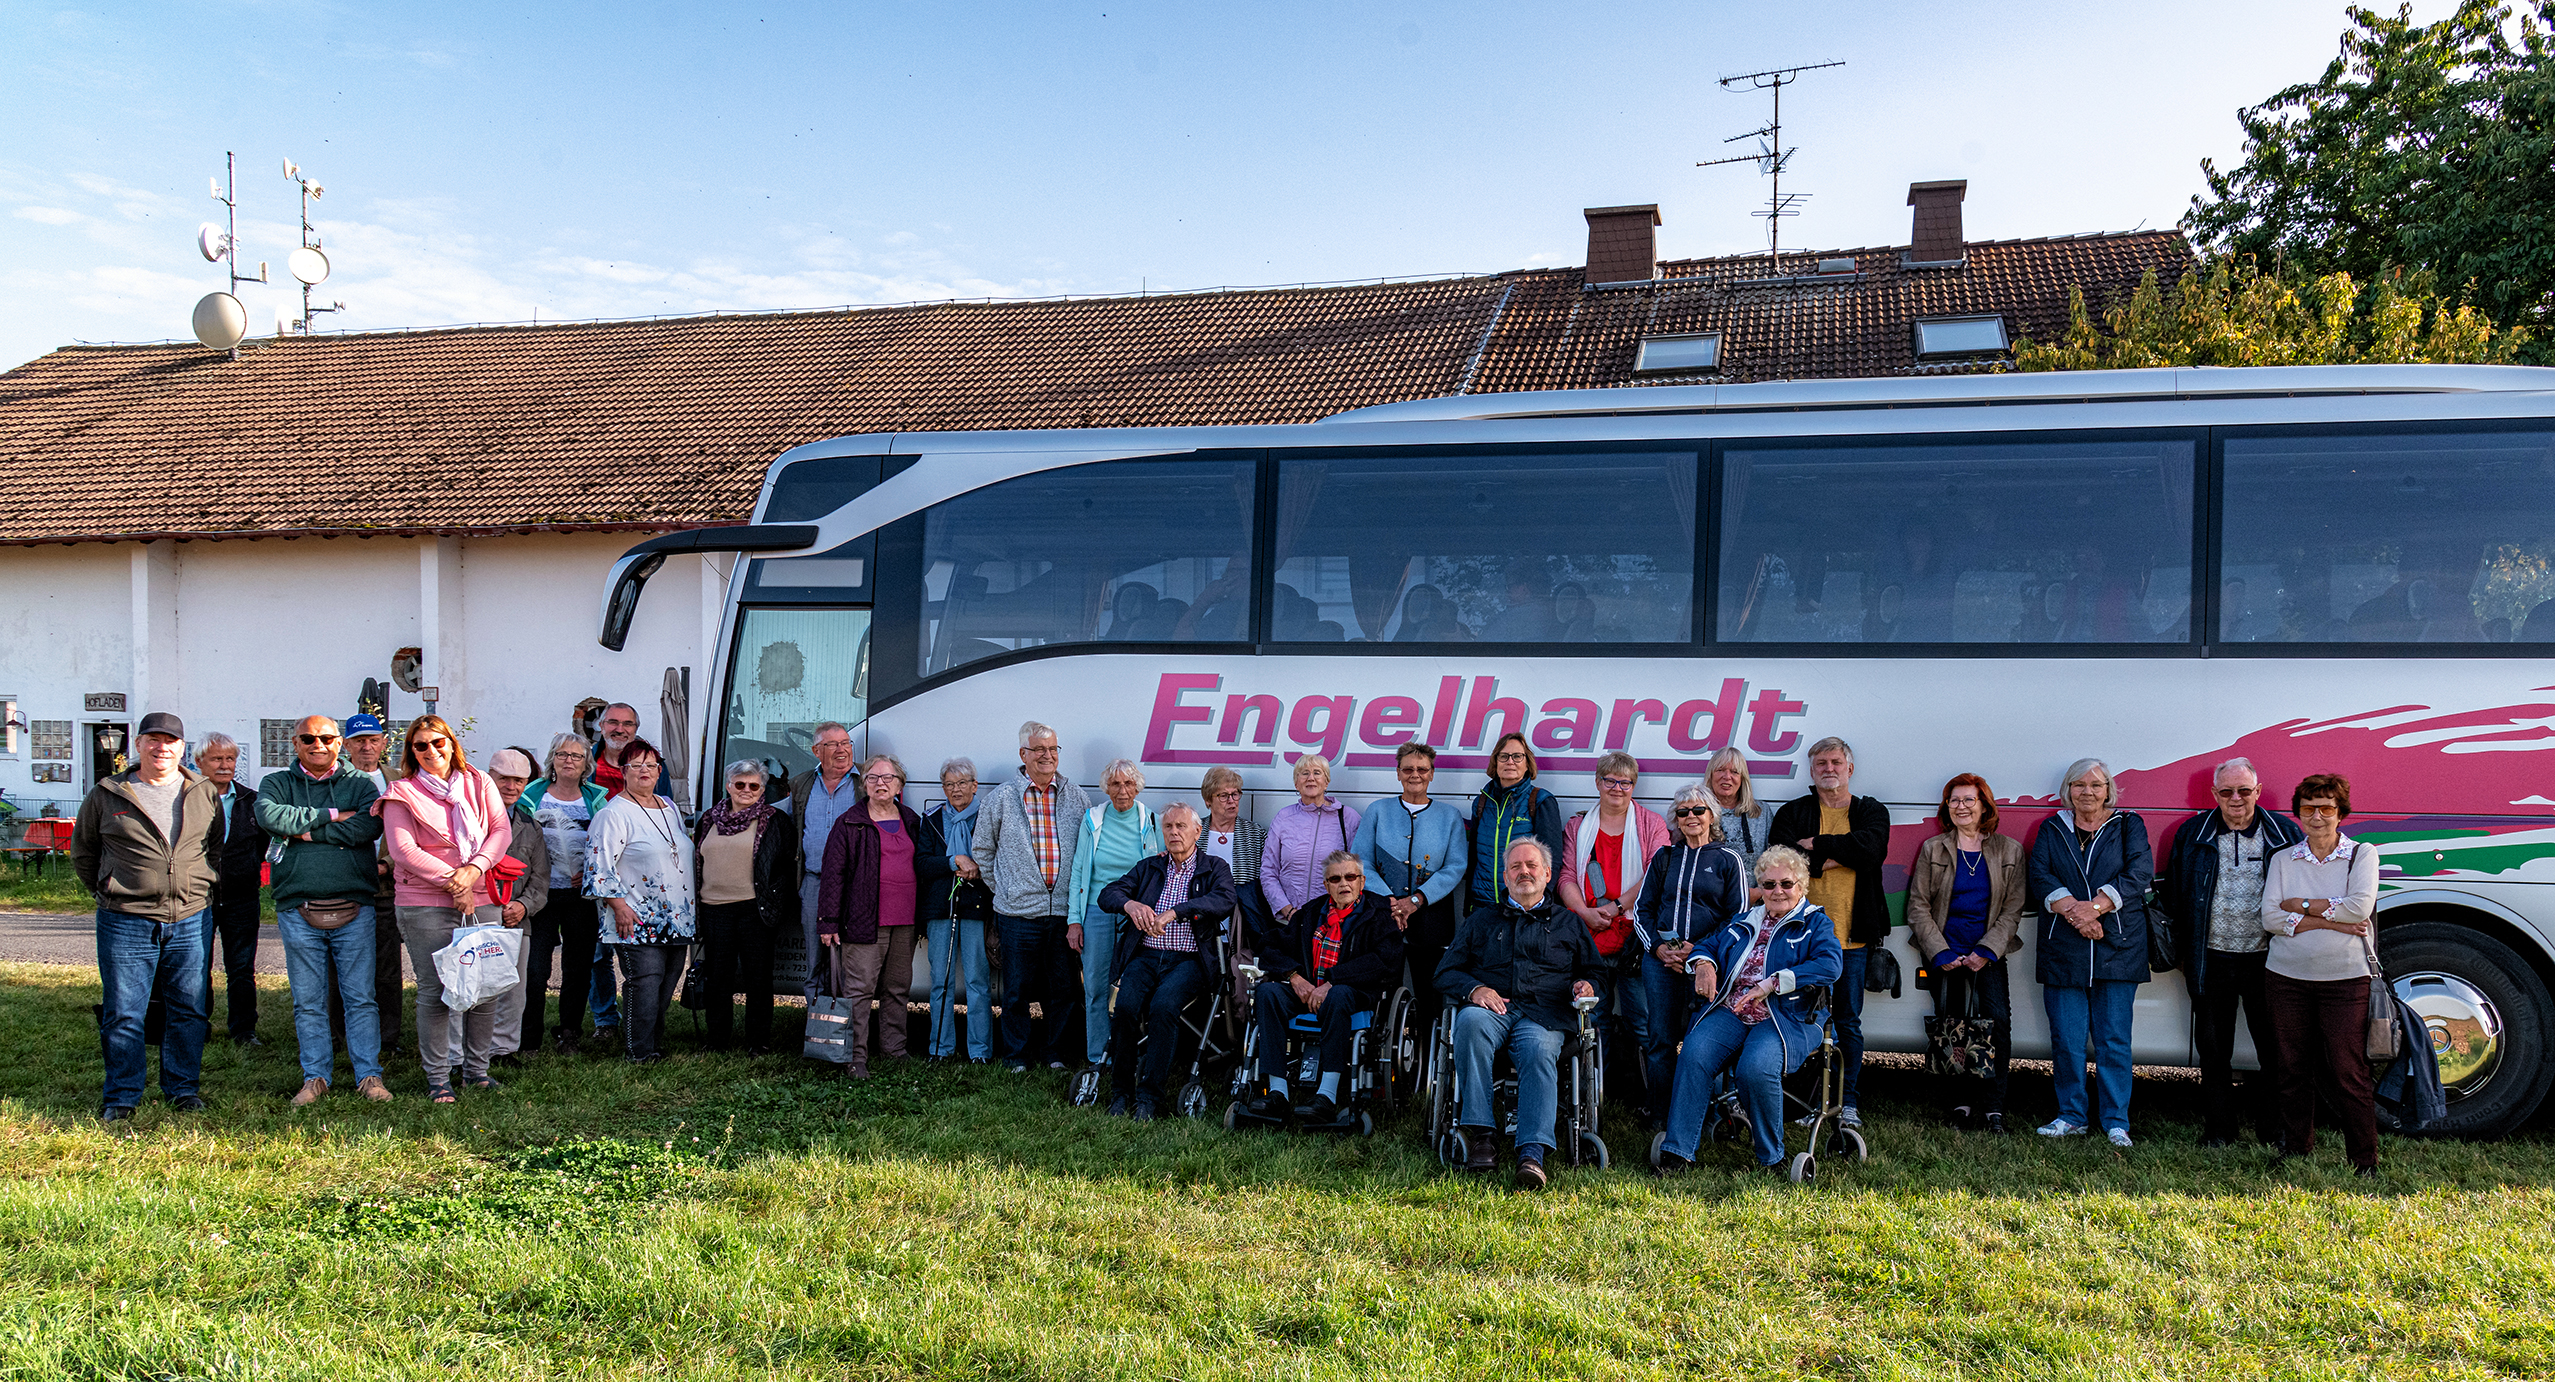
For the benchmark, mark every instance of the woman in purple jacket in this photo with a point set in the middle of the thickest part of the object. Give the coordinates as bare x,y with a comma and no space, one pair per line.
1302,836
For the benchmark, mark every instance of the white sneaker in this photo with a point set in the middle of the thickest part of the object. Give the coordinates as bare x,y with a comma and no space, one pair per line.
2060,1127
2119,1137
1852,1117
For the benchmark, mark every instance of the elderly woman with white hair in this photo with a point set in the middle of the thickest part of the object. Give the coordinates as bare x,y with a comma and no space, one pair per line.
745,867
1113,836
956,914
2090,869
1302,836
1691,888
562,804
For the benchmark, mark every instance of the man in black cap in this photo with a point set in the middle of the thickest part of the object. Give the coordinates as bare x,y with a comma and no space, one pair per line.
139,848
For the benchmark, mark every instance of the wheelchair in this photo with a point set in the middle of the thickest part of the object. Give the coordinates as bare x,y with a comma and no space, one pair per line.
1581,1092
1376,1083
1728,1121
1205,1029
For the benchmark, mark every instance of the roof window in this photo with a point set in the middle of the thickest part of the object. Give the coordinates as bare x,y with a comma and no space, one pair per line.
1844,265
1660,354
1942,336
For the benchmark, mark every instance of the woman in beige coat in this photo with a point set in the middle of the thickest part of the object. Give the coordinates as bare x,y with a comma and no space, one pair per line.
1965,906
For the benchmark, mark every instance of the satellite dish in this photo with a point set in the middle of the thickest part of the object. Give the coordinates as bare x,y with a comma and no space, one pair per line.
308,265
291,168
208,242
220,321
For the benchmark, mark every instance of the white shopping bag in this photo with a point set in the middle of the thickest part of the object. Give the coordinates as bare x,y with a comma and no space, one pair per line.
478,965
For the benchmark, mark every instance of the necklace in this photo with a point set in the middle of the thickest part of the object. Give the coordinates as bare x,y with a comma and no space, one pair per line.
657,827
1963,857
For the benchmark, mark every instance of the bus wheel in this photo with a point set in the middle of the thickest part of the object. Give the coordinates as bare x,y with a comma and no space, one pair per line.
2487,1014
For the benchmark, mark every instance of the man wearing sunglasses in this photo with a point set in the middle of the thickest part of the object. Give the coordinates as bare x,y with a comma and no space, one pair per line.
2211,886
319,814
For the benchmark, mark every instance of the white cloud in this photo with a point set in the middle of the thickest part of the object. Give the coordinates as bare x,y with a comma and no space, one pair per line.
46,215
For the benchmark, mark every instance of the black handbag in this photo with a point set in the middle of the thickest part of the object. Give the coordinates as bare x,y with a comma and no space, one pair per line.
1881,970
1961,1039
2163,953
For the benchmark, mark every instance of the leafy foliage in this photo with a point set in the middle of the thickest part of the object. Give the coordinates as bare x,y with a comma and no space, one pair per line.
2425,145
2232,312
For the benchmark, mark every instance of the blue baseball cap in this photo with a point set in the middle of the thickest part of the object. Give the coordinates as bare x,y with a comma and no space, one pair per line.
359,725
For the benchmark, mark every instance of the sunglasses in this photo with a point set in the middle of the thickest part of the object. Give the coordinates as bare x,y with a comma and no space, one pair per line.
756,788
1778,885
2239,793
1688,812
1345,878
432,743
317,738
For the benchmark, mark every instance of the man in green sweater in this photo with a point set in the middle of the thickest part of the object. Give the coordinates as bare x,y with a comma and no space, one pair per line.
319,813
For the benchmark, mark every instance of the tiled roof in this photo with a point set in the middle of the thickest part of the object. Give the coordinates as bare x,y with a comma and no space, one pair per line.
671,423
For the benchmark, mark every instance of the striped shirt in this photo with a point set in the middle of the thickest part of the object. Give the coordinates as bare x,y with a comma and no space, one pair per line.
1039,804
1176,934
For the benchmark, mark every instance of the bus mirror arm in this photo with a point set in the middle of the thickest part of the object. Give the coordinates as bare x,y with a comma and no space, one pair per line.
630,574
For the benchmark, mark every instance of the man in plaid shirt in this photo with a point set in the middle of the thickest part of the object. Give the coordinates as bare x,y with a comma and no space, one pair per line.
1176,902
1022,850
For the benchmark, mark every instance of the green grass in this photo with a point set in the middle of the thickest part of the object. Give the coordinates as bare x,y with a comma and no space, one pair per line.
721,1216
57,890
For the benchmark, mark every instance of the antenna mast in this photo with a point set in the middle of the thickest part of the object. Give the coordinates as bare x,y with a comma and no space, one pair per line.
228,247
308,264
1770,155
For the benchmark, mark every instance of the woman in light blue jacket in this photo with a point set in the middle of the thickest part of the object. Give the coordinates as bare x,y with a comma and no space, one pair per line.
1114,838
1416,849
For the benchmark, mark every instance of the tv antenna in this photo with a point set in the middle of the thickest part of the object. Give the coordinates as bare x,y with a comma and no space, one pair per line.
309,264
220,321
1770,156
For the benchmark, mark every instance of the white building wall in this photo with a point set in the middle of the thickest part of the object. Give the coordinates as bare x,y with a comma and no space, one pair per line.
232,633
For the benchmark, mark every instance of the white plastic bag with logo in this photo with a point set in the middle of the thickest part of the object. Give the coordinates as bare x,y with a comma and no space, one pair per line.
478,965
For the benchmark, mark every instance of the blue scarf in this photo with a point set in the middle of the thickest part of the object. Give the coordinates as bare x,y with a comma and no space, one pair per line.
958,828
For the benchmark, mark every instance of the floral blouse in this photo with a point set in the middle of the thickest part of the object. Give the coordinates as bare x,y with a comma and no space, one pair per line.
642,856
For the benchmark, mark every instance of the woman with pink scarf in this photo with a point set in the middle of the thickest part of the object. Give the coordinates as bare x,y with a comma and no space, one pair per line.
444,829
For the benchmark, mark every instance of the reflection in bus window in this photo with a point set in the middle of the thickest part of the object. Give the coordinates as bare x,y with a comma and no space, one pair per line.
1121,551
1991,542
2403,538
1591,547
795,669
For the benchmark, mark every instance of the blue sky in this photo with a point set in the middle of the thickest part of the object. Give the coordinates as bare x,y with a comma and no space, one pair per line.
488,163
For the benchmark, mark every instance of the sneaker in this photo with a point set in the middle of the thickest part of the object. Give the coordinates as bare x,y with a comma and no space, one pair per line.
251,1039
1852,1117
186,1103
1483,1157
2119,1137
371,1087
1017,1067
1807,1120
1056,1065
2060,1127
1118,1107
1530,1173
312,1089
1671,1164
114,1115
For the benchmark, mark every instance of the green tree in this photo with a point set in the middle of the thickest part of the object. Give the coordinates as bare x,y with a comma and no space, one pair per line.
2232,312
2430,146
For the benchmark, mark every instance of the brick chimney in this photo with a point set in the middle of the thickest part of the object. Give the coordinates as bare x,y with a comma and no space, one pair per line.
1621,247
1938,221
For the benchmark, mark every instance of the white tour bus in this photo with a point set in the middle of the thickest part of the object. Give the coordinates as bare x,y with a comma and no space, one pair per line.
2346,569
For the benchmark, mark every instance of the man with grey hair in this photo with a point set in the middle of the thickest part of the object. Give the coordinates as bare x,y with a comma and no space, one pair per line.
2211,885
238,847
1847,838
615,732
817,800
1510,974
1174,903
1024,845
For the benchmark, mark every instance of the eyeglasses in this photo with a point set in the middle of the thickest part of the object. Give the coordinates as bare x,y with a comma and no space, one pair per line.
1688,812
1778,885
317,738
1345,878
833,746
756,788
436,744
2237,793
1510,758
1048,752
881,777
1620,784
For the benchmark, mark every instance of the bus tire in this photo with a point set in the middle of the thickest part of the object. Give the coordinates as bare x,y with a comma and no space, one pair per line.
2524,1063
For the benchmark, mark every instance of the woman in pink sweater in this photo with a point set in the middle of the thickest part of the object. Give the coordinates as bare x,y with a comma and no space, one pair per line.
444,828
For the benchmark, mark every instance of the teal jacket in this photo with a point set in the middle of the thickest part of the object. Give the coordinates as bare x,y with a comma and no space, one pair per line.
594,796
336,862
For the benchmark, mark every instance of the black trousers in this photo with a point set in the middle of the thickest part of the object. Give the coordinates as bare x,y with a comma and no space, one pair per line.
565,924
232,923
2323,1030
1431,930
2233,978
736,953
1994,986
1038,967
1276,1006
1157,984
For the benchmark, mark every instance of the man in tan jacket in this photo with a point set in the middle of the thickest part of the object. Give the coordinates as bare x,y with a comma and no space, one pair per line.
139,848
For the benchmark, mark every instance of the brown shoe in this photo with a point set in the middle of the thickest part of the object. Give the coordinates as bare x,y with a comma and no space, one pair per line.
1530,1174
1482,1151
372,1088
311,1090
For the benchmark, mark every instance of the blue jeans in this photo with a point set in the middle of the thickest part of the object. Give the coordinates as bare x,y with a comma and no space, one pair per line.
2107,1009
1671,995
1716,1043
1533,1049
136,955
602,999
1099,950
310,954
1845,1011
970,962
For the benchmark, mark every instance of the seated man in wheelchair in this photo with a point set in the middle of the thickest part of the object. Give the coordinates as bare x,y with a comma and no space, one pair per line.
1760,978
1177,902
1510,974
1336,960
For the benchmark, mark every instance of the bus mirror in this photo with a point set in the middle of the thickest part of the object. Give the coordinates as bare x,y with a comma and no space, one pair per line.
630,574
621,603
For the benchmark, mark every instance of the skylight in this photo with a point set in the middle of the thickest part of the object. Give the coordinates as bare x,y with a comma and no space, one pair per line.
1663,353
1959,336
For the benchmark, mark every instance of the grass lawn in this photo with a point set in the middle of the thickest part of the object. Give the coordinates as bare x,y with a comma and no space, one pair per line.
722,1216
57,890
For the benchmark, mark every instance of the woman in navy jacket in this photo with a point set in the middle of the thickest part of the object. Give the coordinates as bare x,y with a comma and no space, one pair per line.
1690,890
1758,1020
2090,870
1508,809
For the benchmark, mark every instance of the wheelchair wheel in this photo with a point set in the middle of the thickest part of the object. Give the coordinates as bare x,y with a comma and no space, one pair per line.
1592,1151
1452,1149
1085,1089
1396,1052
1365,1123
1191,1102
1658,1148
1805,1168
